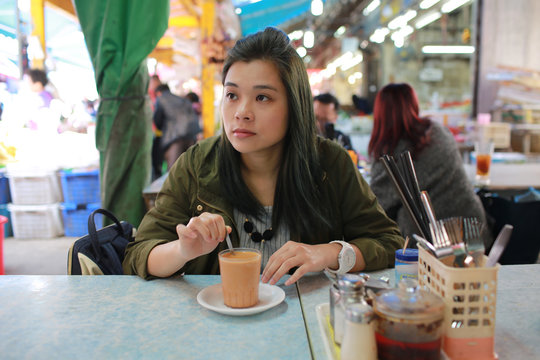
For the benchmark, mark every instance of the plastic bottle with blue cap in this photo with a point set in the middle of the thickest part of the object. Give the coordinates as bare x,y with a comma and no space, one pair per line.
406,264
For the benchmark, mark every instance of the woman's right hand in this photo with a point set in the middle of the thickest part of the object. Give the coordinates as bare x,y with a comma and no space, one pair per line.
201,235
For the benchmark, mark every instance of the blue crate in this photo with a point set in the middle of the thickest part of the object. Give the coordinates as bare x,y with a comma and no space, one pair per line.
76,218
8,229
80,187
5,196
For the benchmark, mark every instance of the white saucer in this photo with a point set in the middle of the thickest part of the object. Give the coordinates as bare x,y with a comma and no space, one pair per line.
211,298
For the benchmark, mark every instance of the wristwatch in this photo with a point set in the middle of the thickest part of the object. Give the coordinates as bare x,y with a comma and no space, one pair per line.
346,258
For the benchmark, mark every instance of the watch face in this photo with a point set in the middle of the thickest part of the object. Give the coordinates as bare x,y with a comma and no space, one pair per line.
349,258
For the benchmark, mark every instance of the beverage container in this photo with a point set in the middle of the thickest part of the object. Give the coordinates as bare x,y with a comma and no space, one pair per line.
359,338
484,152
409,323
240,272
406,264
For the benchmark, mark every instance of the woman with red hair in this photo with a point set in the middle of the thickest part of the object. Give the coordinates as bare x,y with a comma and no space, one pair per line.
397,128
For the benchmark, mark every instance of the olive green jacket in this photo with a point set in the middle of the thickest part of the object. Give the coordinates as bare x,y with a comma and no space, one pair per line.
193,187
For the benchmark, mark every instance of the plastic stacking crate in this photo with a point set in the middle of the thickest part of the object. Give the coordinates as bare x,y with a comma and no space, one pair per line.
34,188
5,196
7,227
80,186
470,296
75,218
36,221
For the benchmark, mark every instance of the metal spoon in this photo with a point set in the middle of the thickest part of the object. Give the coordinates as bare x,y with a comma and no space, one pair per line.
229,243
499,245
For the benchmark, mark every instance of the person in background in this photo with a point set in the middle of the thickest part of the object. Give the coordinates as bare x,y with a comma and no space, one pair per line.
326,108
268,180
398,127
196,104
35,109
38,80
153,83
362,105
175,117
157,153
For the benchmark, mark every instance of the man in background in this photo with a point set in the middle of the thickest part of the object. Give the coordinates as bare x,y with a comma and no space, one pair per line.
326,108
175,117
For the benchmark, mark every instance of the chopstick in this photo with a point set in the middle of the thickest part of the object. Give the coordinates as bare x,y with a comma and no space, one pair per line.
415,187
404,193
421,222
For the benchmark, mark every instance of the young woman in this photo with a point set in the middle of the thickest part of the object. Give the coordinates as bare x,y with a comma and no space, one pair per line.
268,180
397,128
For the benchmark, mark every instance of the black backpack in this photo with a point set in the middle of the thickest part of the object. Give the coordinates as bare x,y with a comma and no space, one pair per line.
524,244
101,252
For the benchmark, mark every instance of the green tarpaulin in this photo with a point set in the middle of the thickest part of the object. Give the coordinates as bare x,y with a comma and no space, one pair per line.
119,35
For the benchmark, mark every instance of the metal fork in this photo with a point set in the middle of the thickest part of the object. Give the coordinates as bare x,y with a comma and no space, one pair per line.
472,237
454,228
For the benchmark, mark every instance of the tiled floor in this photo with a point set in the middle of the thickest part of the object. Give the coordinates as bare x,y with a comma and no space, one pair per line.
36,256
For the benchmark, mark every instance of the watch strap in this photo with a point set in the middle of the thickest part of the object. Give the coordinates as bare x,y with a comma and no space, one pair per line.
342,267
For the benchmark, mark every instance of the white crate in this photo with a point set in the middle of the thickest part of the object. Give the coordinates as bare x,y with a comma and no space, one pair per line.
499,133
36,221
34,189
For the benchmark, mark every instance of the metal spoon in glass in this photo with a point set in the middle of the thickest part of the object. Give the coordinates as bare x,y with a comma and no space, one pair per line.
229,243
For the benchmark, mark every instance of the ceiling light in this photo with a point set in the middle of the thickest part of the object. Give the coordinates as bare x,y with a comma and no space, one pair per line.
399,36
379,35
340,31
399,42
352,62
301,51
296,35
309,39
402,20
426,4
317,7
452,5
427,19
371,7
447,49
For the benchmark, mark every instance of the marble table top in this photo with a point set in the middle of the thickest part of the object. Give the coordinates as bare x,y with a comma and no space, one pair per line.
125,317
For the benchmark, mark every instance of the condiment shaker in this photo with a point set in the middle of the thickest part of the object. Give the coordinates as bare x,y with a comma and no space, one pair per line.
351,291
359,336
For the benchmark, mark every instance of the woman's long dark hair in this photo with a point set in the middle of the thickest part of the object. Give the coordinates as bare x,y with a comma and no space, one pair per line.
396,116
300,175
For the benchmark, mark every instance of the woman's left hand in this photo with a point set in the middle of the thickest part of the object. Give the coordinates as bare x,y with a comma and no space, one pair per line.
307,258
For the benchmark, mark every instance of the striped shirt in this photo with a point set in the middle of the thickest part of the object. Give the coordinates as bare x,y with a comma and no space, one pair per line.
267,248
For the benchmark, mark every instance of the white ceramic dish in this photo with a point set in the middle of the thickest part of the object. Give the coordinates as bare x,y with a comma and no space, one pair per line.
211,298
